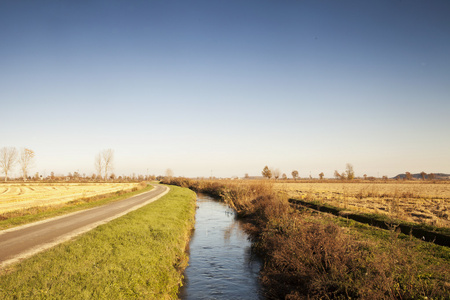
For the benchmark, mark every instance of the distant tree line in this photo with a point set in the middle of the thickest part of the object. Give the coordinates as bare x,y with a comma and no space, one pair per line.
270,173
422,175
349,174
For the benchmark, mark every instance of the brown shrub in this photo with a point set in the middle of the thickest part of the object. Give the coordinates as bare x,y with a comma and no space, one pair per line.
142,184
307,256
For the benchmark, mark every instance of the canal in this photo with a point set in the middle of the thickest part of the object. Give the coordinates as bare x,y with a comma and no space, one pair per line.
221,263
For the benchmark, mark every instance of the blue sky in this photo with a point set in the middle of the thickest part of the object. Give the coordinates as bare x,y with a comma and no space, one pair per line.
227,87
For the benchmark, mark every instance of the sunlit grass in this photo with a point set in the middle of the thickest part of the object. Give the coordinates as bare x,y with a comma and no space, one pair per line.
140,255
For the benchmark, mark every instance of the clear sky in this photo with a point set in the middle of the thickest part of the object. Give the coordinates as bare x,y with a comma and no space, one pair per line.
225,87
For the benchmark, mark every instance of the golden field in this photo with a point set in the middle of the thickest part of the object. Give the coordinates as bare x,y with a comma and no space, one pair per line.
416,202
25,195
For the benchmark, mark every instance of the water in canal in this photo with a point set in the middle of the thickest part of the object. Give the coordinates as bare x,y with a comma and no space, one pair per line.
221,265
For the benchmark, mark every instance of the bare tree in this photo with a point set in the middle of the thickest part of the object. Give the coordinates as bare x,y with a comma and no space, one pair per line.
169,173
294,174
283,176
349,171
26,160
104,162
266,172
336,174
98,163
108,159
423,175
8,158
408,176
276,173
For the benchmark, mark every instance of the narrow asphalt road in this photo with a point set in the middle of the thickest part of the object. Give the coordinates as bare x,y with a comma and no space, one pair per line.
24,241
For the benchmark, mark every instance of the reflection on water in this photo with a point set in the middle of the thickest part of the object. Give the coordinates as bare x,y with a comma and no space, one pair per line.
221,265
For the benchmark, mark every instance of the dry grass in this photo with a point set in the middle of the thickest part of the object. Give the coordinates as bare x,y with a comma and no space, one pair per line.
319,256
426,203
24,196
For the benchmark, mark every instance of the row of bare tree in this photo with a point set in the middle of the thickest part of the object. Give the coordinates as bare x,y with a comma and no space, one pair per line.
10,157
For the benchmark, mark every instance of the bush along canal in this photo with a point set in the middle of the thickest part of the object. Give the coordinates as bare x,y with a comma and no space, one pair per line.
221,263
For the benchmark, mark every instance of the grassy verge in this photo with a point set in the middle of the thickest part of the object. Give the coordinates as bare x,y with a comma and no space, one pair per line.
33,214
320,256
140,255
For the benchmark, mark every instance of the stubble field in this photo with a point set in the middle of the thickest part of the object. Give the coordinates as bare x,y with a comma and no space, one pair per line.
417,202
23,196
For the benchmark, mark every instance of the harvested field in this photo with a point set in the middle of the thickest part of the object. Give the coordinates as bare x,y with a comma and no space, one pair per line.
426,203
22,196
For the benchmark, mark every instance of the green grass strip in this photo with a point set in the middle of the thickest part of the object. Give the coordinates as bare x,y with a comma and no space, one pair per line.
434,253
140,255
40,213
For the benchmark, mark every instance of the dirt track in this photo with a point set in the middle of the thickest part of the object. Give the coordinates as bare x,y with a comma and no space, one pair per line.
24,241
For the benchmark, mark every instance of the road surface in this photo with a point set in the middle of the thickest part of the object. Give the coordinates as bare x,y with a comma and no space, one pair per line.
24,241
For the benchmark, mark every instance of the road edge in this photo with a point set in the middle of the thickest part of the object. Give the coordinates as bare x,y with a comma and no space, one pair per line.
74,233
